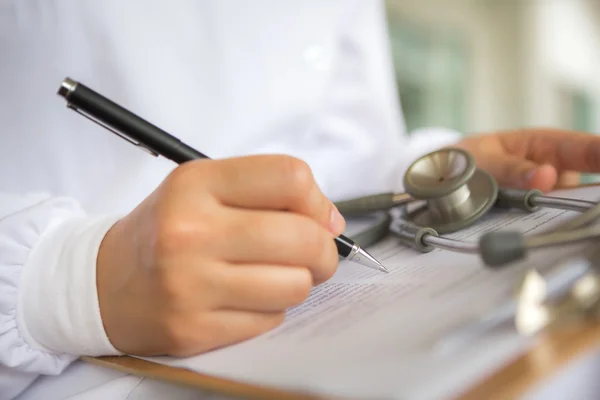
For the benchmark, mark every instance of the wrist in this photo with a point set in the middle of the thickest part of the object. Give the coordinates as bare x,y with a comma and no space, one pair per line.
114,262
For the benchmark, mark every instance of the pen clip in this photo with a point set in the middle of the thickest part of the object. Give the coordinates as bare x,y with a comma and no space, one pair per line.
111,129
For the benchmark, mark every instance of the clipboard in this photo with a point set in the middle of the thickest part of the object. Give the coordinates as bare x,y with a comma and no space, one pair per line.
552,351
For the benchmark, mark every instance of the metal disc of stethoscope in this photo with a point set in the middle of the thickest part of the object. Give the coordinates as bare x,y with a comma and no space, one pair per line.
455,192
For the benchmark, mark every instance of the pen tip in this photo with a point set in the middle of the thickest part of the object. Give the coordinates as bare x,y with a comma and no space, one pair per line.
364,258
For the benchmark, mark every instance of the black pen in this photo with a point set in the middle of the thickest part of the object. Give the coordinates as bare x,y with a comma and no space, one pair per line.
157,142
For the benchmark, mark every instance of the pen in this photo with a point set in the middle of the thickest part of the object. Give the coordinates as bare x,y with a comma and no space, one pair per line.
157,142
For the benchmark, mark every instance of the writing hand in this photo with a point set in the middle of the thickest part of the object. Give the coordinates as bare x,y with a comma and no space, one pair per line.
215,255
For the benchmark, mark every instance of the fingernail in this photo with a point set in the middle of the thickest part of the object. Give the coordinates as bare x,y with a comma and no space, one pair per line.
337,223
529,175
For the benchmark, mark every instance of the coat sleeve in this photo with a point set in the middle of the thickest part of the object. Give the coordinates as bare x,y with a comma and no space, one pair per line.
49,311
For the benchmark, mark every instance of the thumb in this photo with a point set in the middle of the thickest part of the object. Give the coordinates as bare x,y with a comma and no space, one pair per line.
520,173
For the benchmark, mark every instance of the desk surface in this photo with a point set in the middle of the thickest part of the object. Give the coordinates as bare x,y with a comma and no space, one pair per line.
552,353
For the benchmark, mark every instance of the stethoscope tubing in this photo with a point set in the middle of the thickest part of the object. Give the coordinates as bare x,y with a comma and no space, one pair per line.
531,242
562,203
457,246
502,247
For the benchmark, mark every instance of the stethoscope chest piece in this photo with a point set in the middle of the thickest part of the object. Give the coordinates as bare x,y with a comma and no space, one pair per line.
455,192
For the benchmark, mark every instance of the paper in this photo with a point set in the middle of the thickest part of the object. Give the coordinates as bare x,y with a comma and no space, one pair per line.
366,334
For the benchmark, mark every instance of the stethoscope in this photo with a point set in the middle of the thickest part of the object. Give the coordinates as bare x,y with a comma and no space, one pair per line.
446,192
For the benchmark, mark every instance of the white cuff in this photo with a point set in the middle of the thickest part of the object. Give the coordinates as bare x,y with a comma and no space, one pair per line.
59,309
426,140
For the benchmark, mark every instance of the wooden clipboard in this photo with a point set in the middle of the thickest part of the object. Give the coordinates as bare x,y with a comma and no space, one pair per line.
552,351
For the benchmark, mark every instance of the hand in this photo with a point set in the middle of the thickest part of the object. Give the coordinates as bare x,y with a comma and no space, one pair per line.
536,158
215,255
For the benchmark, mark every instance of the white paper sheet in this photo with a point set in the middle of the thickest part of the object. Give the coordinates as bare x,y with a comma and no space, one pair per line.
365,334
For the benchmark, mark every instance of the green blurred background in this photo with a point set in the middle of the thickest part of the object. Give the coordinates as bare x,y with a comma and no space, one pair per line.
483,65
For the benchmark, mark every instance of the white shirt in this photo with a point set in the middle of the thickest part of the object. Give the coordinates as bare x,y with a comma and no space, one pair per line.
311,78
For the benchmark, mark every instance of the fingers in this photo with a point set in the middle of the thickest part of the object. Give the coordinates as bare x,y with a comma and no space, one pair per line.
518,172
263,288
276,238
511,171
568,179
275,183
564,150
210,331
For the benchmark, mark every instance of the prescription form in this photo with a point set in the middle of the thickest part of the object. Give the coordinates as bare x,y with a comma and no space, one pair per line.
365,334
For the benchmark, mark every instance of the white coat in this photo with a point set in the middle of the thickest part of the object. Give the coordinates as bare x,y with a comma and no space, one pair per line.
311,78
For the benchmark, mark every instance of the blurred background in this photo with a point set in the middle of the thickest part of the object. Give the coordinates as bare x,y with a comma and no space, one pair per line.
484,65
